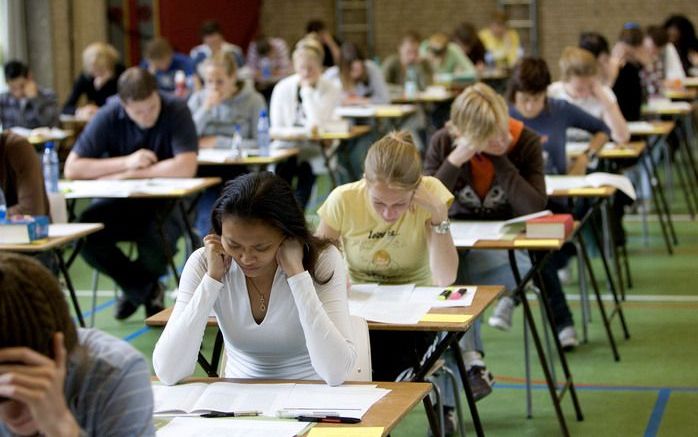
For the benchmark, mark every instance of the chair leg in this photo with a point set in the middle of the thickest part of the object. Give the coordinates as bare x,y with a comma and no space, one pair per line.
95,286
459,408
439,410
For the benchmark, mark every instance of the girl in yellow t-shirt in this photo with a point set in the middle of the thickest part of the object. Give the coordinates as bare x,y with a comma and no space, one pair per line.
393,225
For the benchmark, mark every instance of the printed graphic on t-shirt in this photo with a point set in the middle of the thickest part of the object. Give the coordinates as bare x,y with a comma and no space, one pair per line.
495,200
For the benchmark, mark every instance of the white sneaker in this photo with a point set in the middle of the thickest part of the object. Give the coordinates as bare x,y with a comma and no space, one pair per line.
568,338
501,318
565,275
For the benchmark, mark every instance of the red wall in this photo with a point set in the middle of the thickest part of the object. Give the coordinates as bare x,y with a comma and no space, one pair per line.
180,20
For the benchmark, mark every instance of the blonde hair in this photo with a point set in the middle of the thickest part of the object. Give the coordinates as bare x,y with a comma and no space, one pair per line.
477,114
99,54
578,62
309,47
222,60
394,160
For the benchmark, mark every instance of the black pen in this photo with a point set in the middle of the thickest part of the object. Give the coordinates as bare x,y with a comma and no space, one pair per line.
216,414
328,419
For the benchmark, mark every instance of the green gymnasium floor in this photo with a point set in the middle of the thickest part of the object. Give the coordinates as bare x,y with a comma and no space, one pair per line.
653,390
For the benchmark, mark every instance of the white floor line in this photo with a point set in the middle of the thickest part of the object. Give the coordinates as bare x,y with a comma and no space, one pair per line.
653,218
642,298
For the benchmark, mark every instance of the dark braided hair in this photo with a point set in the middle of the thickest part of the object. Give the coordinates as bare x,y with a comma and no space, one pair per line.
32,306
267,197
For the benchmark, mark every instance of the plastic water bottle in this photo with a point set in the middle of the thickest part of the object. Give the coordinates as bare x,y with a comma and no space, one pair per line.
265,67
3,207
180,84
263,137
411,83
50,165
238,151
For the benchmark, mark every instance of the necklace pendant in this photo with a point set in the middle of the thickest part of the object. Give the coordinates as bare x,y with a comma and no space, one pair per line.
262,305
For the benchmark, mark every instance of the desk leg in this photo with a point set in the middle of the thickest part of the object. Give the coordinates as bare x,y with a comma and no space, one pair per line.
527,358
431,416
689,136
617,305
655,199
569,385
466,387
451,341
660,189
686,130
69,283
611,218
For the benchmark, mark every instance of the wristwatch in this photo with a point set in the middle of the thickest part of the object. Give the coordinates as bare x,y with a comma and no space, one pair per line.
442,228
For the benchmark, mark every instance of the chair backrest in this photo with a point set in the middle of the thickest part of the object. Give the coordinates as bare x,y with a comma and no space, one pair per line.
362,369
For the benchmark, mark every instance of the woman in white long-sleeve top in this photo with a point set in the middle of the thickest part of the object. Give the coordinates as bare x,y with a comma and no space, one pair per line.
304,100
278,292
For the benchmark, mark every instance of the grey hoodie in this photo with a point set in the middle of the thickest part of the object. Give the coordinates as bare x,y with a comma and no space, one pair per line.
241,109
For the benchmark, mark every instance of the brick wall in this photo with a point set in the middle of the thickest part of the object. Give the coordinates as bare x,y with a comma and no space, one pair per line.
560,21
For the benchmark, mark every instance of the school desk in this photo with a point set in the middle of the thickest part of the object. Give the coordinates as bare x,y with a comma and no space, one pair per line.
60,235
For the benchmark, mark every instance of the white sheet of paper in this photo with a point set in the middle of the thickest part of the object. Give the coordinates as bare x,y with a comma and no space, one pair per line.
396,313
430,295
200,427
345,401
598,179
125,188
638,127
574,148
65,229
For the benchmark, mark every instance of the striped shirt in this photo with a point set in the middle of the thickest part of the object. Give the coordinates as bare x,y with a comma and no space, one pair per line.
107,388
38,111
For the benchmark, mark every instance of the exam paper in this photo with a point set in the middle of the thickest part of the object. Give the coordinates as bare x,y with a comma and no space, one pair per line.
125,188
638,127
467,233
200,427
596,180
345,400
386,304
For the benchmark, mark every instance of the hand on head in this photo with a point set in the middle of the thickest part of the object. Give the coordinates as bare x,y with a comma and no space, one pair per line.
34,385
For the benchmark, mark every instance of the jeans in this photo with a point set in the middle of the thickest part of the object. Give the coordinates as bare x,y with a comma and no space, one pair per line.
138,221
303,171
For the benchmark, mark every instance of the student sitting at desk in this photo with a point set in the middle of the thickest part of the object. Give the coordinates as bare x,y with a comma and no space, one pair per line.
467,38
581,86
97,82
446,58
279,293
330,44
305,100
407,65
361,80
61,381
161,61
20,176
394,229
142,134
665,64
550,118
224,105
268,59
494,167
502,44
25,104
682,34
632,59
213,44
597,45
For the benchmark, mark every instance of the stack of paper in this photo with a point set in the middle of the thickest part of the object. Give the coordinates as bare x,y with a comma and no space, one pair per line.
48,133
576,148
401,304
467,233
270,399
198,427
595,180
640,127
126,188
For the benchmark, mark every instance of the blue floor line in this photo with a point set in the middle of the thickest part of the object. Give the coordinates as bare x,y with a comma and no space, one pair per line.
99,308
657,413
136,334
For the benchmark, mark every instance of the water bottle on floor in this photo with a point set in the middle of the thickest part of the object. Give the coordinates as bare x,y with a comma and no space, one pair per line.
50,166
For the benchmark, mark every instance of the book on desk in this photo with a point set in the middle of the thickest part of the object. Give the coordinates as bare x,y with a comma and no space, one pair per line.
553,226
